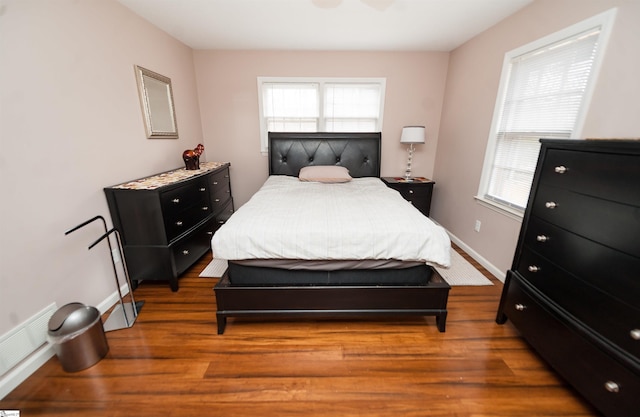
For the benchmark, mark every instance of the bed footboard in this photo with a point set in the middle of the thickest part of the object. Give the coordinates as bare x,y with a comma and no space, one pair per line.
429,299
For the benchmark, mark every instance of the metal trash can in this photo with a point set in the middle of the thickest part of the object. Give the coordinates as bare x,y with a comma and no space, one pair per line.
77,336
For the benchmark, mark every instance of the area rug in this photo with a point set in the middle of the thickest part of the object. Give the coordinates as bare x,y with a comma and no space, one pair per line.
462,272
215,269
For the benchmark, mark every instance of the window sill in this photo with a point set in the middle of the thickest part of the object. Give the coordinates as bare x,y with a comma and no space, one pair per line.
507,211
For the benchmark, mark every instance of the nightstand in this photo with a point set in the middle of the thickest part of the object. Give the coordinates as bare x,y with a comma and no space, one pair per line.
418,191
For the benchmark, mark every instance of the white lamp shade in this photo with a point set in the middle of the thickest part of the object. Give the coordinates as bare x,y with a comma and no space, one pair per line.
412,134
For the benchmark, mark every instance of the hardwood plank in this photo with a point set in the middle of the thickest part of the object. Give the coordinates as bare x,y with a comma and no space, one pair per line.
172,362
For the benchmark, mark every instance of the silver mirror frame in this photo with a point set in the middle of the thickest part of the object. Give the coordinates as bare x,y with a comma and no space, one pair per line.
156,101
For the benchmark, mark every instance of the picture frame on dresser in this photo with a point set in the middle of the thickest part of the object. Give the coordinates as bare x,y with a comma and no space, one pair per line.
573,288
166,221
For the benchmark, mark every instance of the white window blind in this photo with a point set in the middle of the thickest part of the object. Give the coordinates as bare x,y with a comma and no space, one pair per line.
291,107
351,107
320,105
544,96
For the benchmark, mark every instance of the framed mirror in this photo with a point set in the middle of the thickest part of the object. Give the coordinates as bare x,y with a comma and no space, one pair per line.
156,100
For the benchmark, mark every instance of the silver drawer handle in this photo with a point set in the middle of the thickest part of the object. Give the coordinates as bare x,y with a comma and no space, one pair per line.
179,223
635,334
215,183
550,205
175,200
560,169
205,208
210,233
203,189
520,307
217,200
185,252
220,221
533,268
612,387
542,238
410,191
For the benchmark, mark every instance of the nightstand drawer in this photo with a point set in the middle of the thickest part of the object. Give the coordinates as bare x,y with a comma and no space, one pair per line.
417,193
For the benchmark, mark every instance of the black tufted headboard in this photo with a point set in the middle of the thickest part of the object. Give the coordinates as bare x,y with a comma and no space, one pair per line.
358,152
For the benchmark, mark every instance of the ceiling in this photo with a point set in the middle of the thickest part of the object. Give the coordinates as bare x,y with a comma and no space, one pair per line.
330,25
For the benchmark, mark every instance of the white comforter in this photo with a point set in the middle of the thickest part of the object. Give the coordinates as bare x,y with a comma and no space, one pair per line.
360,219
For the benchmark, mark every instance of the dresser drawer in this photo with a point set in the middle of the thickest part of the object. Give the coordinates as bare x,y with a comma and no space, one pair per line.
220,190
220,198
612,386
181,222
611,271
615,321
219,180
189,250
612,224
606,175
224,214
179,199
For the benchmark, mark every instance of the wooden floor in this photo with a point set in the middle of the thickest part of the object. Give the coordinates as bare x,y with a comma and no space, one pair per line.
173,363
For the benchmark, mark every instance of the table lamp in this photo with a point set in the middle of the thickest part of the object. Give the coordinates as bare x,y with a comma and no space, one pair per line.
411,135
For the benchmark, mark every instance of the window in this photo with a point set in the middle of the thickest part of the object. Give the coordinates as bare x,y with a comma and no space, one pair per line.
319,105
544,93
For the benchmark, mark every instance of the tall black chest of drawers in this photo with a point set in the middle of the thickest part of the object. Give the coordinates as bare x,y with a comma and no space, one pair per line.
166,221
573,290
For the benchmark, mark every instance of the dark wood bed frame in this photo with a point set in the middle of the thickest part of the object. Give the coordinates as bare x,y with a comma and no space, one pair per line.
360,153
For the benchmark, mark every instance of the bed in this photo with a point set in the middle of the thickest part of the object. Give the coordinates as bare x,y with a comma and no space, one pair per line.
356,248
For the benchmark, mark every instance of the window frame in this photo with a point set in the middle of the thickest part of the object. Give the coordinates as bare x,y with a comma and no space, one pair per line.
321,81
603,20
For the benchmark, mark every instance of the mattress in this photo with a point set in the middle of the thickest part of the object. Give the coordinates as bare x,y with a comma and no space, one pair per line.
363,219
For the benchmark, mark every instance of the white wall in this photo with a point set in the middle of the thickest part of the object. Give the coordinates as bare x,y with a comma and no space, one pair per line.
71,124
227,85
472,84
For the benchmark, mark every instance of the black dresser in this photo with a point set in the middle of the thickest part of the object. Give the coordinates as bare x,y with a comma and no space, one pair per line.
166,221
573,290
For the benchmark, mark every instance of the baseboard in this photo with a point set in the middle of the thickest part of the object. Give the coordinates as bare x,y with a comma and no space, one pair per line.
22,371
495,271
111,300
25,368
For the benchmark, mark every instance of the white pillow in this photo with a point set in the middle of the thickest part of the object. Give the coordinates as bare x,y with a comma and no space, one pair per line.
324,173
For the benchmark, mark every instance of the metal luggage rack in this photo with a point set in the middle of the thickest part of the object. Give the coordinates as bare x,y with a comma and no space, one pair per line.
124,314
